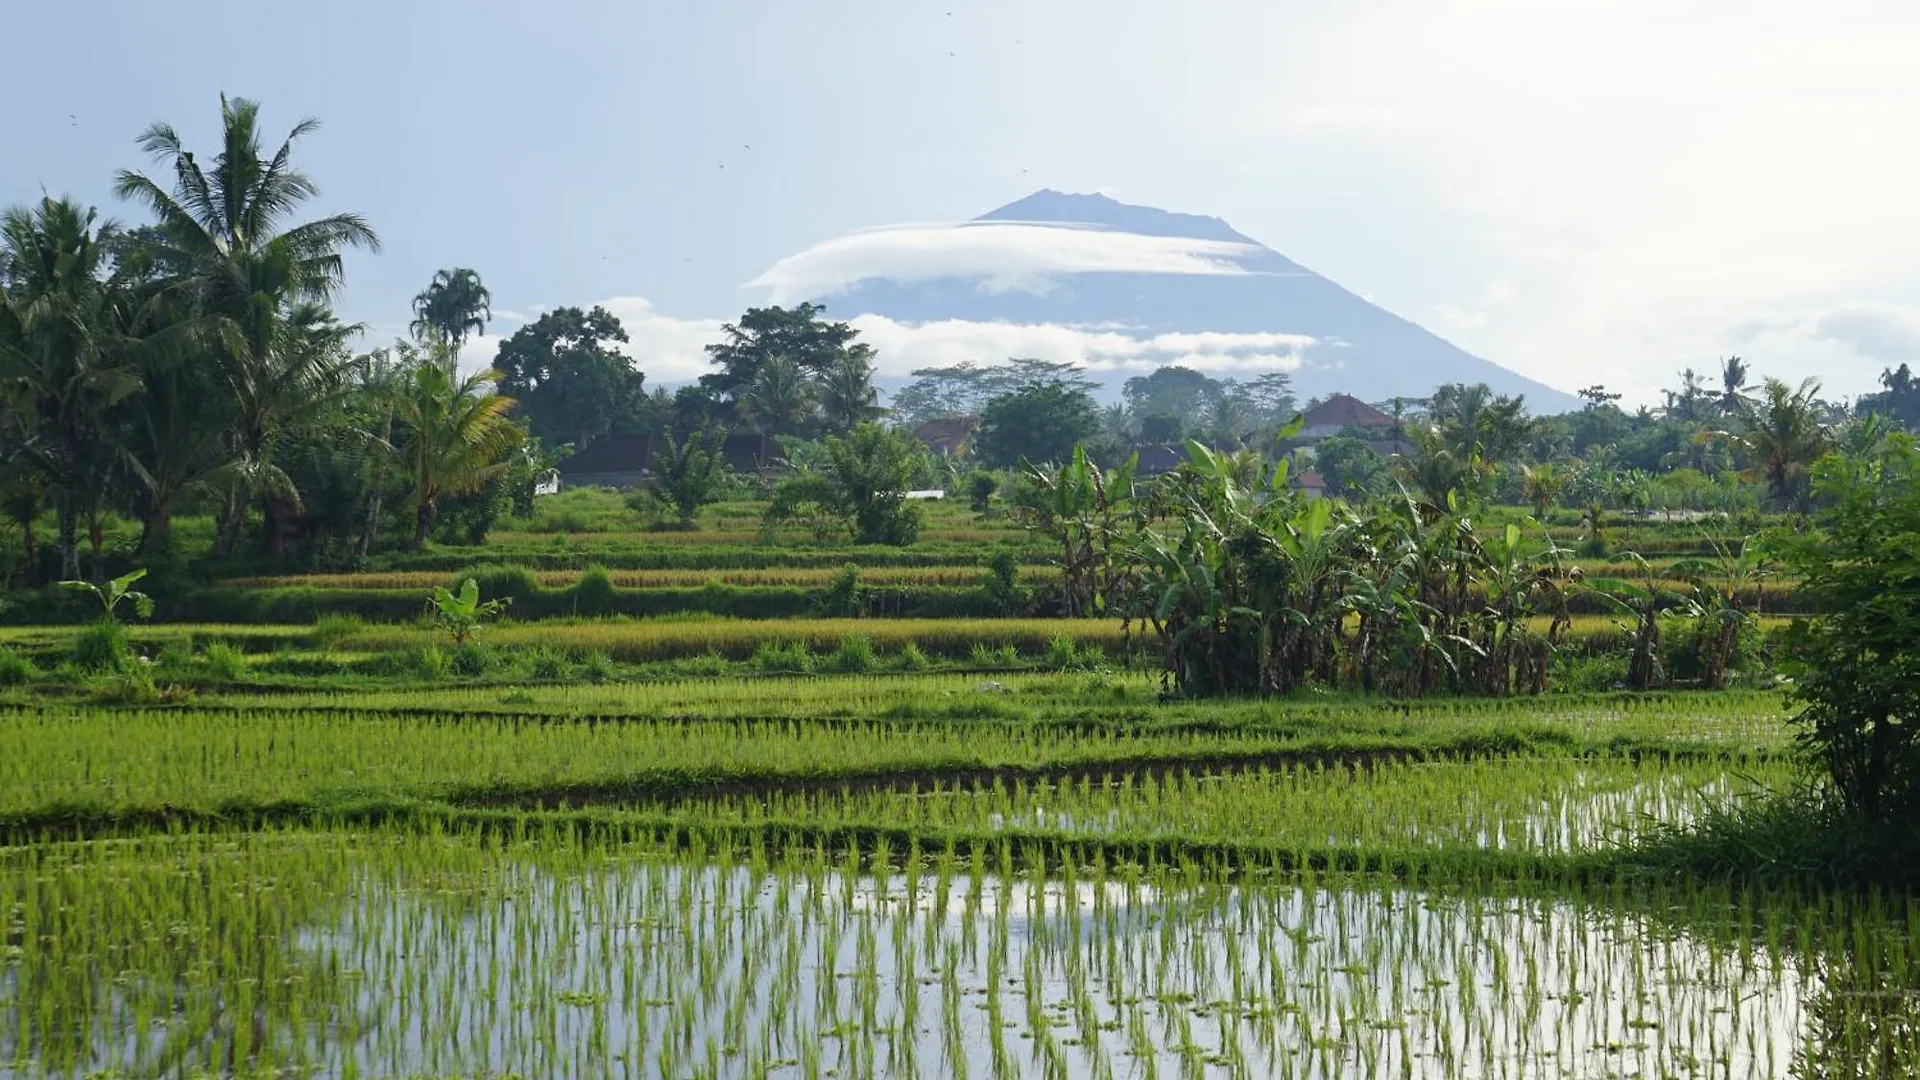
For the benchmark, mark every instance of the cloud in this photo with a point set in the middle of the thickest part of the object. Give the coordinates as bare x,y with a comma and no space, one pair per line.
1007,256
671,350
1877,331
902,347
1477,314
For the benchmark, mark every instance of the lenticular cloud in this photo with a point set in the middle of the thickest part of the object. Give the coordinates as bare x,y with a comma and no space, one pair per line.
1003,256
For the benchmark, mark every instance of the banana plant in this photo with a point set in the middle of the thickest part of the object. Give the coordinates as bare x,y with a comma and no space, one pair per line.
1643,601
462,613
116,592
1721,587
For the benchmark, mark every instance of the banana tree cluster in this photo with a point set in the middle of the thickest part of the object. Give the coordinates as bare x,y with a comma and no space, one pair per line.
1090,513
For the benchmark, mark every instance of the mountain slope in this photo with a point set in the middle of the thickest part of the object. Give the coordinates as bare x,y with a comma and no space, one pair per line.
1358,347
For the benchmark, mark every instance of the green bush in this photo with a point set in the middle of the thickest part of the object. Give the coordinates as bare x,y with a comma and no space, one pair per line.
546,662
910,658
16,669
101,646
598,667
1004,656
472,659
594,593
431,662
502,582
853,656
224,662
791,657
330,630
841,598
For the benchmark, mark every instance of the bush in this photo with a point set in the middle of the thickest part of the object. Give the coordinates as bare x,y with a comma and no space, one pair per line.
472,659
910,658
791,657
330,630
101,646
1686,647
430,662
595,593
224,662
16,669
1002,587
853,656
598,667
841,598
502,582
1004,656
546,662
981,485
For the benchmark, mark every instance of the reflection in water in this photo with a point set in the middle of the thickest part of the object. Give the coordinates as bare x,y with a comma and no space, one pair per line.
406,956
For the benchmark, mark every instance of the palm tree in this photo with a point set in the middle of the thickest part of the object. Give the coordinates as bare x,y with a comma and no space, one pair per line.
777,400
1542,485
1782,439
62,355
1733,384
847,396
222,237
458,434
455,305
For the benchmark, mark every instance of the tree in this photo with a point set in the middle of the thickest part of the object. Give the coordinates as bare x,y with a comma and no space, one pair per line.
222,236
1271,393
61,352
847,396
566,371
1733,384
1899,401
1858,675
1477,426
779,399
1350,467
691,473
1782,438
1542,485
863,483
454,305
1689,405
1038,423
458,436
1182,393
808,341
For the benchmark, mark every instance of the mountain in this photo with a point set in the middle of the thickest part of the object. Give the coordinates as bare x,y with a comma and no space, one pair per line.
1357,347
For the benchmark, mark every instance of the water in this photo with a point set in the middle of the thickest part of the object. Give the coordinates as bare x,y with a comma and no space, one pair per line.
442,957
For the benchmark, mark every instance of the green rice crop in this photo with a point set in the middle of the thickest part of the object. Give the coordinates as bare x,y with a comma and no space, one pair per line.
564,952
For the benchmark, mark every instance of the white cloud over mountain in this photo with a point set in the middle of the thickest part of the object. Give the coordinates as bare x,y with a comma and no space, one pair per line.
671,350
1002,256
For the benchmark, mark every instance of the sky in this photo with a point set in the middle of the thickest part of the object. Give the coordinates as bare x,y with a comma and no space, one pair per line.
1584,192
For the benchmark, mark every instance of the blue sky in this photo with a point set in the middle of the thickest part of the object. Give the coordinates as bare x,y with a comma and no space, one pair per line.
1585,192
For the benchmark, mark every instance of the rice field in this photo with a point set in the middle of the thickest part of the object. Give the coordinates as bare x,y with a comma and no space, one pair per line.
569,951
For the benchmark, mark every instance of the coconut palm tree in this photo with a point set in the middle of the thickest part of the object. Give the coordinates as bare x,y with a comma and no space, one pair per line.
1782,437
1542,485
62,355
1733,385
778,399
458,434
454,306
847,396
222,237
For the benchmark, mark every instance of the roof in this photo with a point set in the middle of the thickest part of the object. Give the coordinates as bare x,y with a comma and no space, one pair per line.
1310,480
1345,410
1156,458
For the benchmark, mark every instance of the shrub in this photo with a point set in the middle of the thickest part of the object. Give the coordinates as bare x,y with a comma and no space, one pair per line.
598,667
101,646
429,662
853,656
981,485
16,669
910,658
546,662
595,593
330,630
503,582
841,598
793,656
224,662
1061,655
472,659
1004,656
1002,587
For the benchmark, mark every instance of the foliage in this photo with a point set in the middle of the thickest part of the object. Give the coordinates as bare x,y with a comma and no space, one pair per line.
862,485
1040,422
115,592
692,473
1350,467
571,380
981,485
842,597
1858,669
462,613
452,307
458,437
800,335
